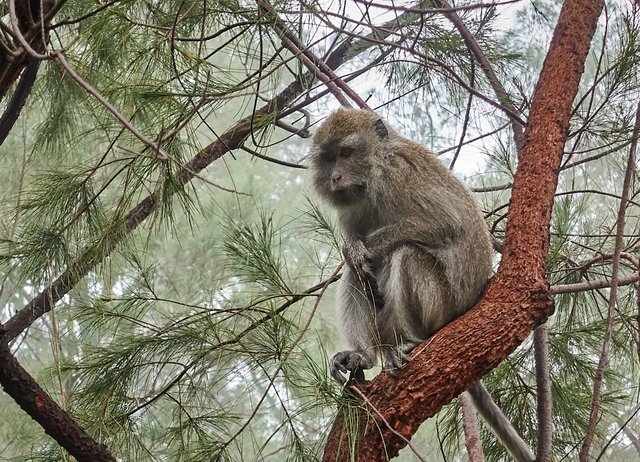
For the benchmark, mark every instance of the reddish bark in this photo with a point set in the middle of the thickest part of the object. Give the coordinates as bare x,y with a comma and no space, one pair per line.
517,298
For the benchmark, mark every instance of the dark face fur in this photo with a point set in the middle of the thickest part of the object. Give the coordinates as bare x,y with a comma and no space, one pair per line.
340,172
344,155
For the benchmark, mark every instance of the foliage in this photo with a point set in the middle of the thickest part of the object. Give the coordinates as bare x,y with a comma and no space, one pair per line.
203,333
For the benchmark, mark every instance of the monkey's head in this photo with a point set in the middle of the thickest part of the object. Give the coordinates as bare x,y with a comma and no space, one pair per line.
345,154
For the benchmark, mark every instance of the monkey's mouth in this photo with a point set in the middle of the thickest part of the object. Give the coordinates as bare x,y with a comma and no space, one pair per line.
349,195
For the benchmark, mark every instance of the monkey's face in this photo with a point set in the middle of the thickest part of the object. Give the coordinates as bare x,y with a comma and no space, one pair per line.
344,155
341,170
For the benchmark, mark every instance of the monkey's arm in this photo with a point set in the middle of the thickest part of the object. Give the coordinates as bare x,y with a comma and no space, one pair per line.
436,233
428,219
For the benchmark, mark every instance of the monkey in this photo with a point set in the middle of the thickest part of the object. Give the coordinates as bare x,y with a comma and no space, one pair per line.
418,253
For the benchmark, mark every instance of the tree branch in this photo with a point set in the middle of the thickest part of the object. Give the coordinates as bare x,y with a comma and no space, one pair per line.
18,384
592,285
315,65
543,388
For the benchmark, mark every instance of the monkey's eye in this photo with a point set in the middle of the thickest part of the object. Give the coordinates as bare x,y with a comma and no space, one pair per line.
347,151
327,154
328,157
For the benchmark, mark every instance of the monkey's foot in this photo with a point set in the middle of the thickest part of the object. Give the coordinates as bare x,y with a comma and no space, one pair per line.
395,358
351,361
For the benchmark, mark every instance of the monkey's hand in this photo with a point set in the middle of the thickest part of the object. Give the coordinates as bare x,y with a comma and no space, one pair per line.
352,361
361,261
359,257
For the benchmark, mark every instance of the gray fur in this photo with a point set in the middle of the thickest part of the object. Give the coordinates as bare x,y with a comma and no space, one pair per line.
413,233
417,248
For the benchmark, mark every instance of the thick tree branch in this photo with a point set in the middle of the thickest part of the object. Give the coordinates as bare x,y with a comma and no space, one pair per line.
19,97
26,20
517,298
18,384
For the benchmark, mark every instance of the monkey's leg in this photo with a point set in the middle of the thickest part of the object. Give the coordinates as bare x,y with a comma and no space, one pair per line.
417,303
356,317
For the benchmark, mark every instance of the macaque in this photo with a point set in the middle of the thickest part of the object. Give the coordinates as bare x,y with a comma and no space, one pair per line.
417,249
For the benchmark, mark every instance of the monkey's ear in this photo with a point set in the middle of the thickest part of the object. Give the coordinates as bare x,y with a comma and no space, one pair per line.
380,129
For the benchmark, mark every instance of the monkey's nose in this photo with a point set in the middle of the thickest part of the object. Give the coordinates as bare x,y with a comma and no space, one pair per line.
336,178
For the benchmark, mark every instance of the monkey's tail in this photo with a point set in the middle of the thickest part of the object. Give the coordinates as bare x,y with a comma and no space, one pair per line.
499,424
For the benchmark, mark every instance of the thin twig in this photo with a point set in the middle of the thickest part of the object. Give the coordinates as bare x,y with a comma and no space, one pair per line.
439,66
486,66
467,116
450,9
18,34
623,427
315,65
284,357
123,120
587,286
284,163
638,312
294,298
69,22
596,156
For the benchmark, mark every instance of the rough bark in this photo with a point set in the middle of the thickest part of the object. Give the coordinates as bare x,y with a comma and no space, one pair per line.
517,298
29,16
38,404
